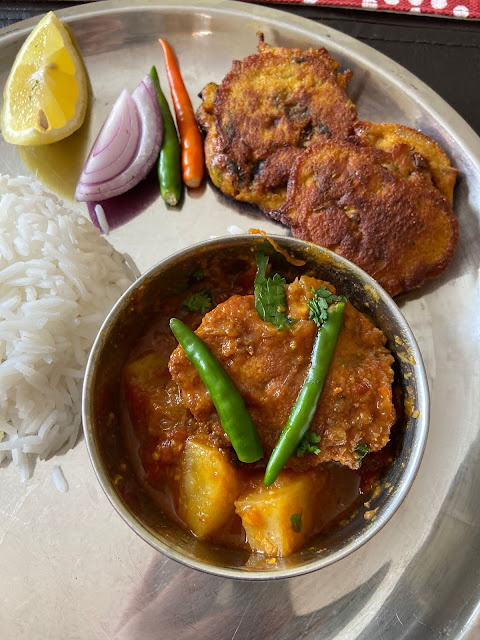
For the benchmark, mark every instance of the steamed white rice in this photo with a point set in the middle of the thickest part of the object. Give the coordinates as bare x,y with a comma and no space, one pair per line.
58,280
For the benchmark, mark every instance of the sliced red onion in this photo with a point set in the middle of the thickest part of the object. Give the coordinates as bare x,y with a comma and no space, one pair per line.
118,138
126,148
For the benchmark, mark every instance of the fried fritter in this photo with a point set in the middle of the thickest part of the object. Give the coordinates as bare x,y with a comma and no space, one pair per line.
355,201
406,144
269,106
268,367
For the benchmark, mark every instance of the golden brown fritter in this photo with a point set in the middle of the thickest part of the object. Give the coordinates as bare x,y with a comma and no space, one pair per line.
268,368
269,106
355,201
406,144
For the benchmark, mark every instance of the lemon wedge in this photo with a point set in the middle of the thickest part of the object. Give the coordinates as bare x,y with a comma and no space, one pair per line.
45,97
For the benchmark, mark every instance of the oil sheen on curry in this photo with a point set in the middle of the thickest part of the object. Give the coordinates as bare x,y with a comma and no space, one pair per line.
175,438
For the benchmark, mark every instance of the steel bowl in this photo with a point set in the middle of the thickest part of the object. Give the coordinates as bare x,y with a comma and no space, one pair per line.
102,410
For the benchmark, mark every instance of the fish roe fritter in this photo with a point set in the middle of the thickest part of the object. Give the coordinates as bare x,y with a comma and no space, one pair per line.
269,366
355,201
404,141
270,105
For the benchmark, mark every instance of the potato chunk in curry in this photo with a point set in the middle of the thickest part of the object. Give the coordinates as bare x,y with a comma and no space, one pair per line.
209,486
279,519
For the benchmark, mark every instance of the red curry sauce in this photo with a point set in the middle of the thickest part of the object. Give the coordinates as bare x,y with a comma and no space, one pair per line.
156,423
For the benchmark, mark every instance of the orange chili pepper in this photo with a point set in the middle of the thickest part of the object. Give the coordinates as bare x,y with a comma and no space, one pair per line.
193,162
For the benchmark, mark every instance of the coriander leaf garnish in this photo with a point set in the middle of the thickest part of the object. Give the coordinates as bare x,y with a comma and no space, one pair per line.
322,299
198,275
270,296
198,302
308,444
296,522
361,450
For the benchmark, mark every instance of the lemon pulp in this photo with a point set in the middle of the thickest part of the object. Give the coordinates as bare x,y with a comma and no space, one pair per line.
45,97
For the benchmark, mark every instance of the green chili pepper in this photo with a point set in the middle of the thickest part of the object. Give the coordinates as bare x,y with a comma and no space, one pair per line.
169,162
306,404
228,402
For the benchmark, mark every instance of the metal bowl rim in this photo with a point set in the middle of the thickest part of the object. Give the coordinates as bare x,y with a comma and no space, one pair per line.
407,476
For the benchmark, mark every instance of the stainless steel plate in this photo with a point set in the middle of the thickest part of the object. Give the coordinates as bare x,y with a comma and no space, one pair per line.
72,569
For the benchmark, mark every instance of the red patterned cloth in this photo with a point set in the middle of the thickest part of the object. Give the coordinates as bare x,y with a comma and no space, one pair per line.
449,8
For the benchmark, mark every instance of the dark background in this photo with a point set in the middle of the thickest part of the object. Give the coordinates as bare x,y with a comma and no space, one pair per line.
443,52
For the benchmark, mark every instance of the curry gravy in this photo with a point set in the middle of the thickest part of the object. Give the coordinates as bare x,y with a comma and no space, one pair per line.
158,468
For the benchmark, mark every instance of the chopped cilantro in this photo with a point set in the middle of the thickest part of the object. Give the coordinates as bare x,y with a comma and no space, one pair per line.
308,444
362,450
270,296
198,275
296,522
322,299
200,301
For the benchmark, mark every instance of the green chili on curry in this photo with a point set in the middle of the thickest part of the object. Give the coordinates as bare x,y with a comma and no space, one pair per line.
169,161
235,419
306,404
